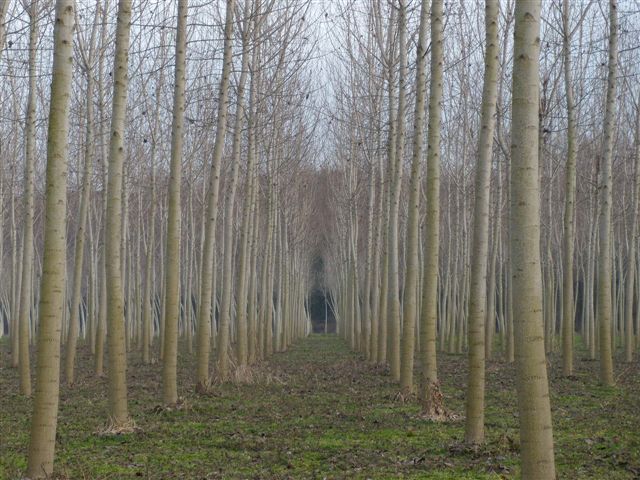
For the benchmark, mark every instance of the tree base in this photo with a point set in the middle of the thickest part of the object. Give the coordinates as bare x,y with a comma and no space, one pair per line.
432,403
405,395
203,388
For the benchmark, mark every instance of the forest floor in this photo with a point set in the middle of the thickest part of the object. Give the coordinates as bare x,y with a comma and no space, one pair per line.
319,411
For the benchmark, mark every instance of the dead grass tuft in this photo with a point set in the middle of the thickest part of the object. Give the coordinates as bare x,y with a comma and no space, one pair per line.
113,428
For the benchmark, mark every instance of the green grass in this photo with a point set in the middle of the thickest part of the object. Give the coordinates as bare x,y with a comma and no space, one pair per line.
327,415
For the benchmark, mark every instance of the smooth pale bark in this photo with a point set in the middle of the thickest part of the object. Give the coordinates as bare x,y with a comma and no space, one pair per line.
104,153
569,203
252,279
137,277
52,292
629,343
396,159
92,311
124,256
245,306
273,240
490,324
206,287
474,425
284,290
384,284
379,242
548,279
172,268
76,295
252,306
383,313
366,314
191,271
593,249
26,292
372,145
267,286
161,300
149,293
410,300
351,240
118,408
508,280
255,342
247,328
198,263
227,275
604,306
277,276
429,388
536,436
16,254
102,316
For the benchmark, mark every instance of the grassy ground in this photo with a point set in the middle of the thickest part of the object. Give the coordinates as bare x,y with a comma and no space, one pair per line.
321,412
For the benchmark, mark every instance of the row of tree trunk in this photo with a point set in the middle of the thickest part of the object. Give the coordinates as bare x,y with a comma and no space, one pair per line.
232,275
495,278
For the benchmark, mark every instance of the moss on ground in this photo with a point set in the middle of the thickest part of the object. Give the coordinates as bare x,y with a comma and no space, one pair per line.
323,413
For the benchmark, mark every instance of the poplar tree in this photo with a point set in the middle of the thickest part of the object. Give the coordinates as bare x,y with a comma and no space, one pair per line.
536,435
206,279
44,420
410,300
604,303
26,292
118,408
172,269
569,203
396,153
76,294
474,426
629,344
430,395
227,273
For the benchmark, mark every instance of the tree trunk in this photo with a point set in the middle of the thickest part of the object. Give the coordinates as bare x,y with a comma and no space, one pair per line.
536,438
172,269
26,292
492,290
430,395
569,205
604,261
245,321
52,298
474,426
206,287
118,409
410,301
629,343
102,270
74,321
396,159
227,275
